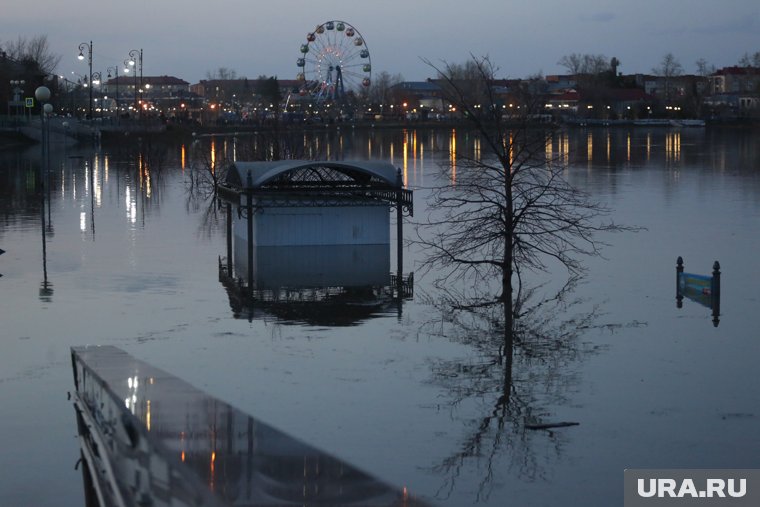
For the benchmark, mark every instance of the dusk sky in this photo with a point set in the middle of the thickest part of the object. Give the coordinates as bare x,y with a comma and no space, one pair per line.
186,38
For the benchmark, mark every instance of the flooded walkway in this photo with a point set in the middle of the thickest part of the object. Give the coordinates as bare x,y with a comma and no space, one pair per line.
148,437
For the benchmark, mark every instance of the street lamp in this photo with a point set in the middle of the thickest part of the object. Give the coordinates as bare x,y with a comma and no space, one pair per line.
42,94
18,90
82,47
136,58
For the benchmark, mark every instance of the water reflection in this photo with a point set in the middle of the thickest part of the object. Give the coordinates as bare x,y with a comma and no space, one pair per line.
702,289
417,151
710,190
336,285
512,430
46,226
175,443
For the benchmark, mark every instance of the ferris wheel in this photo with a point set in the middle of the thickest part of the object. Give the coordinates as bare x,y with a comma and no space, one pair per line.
334,62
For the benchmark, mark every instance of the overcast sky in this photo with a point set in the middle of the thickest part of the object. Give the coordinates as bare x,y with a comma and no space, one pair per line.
187,38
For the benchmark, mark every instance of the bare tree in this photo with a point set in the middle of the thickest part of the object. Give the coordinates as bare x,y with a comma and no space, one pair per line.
223,73
594,76
704,68
669,68
748,60
210,162
577,63
508,211
572,63
380,89
268,89
35,49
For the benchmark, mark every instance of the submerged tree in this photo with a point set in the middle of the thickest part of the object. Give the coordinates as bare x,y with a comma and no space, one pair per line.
509,209
503,216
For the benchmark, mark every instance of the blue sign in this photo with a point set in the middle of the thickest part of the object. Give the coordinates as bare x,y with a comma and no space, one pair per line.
698,288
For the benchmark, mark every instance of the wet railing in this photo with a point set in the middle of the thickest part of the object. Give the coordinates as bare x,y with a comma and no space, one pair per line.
150,438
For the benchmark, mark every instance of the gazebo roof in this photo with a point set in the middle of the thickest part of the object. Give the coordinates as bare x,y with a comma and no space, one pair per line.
359,172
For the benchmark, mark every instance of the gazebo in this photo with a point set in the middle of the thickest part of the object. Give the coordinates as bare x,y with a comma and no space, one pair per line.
307,221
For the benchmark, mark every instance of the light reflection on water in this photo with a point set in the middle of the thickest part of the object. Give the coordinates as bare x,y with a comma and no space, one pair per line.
662,387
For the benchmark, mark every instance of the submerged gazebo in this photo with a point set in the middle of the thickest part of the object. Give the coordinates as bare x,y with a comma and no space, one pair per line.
316,183
297,221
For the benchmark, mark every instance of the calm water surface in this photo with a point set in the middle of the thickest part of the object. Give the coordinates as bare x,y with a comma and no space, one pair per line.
119,252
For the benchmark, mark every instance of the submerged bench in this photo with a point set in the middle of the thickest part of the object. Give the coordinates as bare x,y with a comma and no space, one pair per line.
150,438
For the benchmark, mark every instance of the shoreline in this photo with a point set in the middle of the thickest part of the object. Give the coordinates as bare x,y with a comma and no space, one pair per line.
11,139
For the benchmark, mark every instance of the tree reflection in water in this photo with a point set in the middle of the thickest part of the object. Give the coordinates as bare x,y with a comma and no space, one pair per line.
514,390
212,155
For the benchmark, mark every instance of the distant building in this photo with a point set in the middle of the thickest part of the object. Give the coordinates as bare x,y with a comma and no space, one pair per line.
735,80
224,90
561,83
240,91
565,101
425,94
155,86
167,95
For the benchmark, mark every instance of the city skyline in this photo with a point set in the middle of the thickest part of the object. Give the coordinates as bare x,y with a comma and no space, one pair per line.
255,39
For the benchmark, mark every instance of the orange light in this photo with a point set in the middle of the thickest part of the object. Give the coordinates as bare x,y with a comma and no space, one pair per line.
183,455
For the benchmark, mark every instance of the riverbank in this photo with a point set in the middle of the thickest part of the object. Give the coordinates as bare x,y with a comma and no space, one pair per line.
10,138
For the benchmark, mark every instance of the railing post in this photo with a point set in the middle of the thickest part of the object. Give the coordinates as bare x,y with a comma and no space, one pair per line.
249,217
679,272
715,293
399,225
229,239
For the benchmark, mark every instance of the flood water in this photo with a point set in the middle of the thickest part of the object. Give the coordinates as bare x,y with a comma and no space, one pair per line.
119,250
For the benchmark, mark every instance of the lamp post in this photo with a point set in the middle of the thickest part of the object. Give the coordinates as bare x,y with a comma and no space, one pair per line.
136,58
18,91
42,94
116,75
82,47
